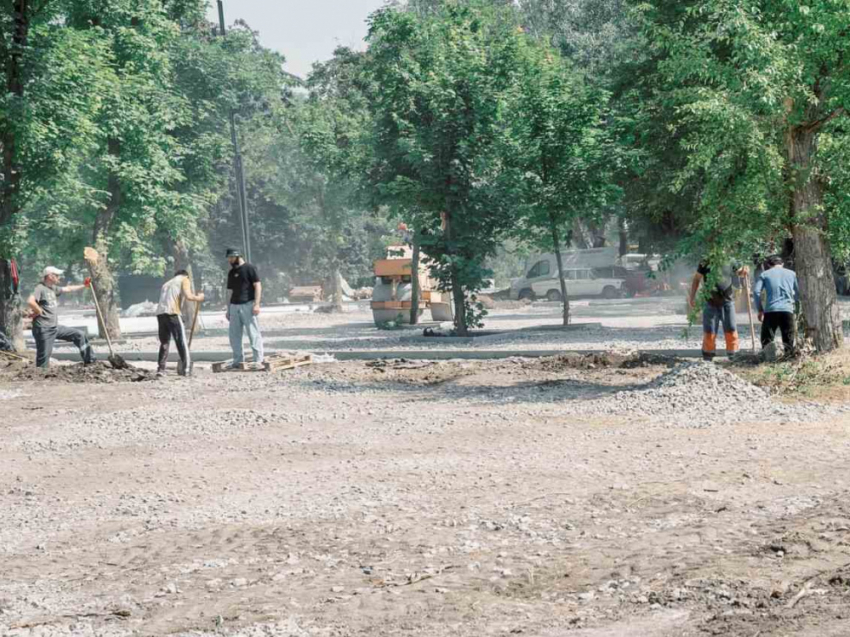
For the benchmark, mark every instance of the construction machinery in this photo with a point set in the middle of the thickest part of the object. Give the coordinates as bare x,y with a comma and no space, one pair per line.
392,297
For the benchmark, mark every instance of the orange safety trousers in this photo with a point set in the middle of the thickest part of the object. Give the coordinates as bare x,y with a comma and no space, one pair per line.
712,318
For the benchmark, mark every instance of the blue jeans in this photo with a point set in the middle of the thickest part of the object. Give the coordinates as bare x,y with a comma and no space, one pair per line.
712,317
242,320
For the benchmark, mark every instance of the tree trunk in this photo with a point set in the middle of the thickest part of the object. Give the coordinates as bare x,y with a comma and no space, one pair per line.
104,283
102,277
336,287
581,235
588,235
11,313
812,253
461,327
414,282
556,242
624,236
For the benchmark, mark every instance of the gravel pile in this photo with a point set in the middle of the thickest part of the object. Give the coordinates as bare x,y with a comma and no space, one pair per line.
700,394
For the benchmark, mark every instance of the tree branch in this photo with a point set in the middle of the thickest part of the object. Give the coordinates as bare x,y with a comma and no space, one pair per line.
817,125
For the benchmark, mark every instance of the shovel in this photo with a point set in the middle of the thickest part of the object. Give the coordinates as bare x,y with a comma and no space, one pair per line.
750,309
91,257
180,369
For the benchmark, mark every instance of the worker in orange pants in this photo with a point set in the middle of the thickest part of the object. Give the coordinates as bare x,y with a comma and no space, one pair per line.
719,309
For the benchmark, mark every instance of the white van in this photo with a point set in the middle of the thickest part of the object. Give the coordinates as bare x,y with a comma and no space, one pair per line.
541,280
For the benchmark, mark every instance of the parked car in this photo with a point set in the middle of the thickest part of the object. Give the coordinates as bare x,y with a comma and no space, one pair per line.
541,281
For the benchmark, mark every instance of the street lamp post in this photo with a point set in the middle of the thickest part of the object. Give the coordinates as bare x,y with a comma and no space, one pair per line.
241,193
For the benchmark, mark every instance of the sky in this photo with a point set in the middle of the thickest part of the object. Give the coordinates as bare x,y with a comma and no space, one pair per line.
304,31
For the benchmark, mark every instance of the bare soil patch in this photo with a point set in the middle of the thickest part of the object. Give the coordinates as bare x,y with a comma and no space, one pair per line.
438,499
96,373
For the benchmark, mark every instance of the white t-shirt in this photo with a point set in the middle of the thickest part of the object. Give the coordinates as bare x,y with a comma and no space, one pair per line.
172,294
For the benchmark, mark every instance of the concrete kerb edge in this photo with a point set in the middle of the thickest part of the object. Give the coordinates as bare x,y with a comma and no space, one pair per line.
368,355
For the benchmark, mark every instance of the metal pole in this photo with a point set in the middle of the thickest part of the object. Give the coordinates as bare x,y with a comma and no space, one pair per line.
241,193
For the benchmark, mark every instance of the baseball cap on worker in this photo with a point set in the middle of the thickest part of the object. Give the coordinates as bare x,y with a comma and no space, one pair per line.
233,253
51,270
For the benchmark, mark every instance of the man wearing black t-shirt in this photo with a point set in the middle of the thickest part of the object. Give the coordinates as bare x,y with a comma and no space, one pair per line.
719,307
243,308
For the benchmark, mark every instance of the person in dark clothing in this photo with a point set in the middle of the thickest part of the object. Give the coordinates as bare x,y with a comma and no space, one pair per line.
782,293
719,308
45,325
243,309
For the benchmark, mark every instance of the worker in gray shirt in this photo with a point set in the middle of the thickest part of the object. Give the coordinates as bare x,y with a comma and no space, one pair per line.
46,330
781,296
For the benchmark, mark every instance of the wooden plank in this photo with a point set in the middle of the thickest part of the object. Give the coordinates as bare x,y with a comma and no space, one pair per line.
227,366
393,267
282,363
221,366
306,294
273,363
291,366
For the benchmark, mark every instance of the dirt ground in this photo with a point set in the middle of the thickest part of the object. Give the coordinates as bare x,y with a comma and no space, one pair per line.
567,496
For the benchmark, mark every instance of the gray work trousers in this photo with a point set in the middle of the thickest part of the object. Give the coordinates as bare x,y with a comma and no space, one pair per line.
46,337
242,320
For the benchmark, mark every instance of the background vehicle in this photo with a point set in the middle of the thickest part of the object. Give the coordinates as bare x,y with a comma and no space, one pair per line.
541,282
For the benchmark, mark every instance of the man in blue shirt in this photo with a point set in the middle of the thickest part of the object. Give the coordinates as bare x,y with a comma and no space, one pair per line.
781,296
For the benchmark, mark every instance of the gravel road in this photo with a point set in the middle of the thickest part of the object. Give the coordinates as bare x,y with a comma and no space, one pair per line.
539,497
624,325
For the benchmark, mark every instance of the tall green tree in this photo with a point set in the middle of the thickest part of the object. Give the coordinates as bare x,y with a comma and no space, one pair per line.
333,129
562,150
755,87
595,35
306,165
442,84
136,162
212,76
54,85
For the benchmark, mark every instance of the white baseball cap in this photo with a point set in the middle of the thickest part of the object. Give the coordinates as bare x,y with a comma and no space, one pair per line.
51,270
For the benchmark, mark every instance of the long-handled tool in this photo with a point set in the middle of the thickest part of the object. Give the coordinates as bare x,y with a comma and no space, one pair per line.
180,369
91,257
750,309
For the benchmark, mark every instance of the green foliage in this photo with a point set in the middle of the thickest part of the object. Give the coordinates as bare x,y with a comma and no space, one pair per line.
731,79
52,124
442,83
212,76
305,164
595,35
481,123
835,161
805,376
561,147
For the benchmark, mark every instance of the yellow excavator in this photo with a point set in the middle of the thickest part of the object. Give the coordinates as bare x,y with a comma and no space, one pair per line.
392,297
